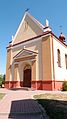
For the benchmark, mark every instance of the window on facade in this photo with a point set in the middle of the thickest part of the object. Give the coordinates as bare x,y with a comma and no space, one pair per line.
59,59
66,60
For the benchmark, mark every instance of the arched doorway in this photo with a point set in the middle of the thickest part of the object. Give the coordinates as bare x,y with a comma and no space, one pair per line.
27,76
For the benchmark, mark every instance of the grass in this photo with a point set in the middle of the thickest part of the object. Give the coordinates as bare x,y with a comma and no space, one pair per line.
2,95
54,104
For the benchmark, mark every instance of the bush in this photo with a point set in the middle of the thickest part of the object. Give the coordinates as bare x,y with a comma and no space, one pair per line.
64,86
2,80
0,83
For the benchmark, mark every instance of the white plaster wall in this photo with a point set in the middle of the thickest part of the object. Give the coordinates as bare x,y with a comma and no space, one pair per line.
60,72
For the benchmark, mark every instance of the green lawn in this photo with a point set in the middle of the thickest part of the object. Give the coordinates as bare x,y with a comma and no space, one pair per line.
54,104
2,95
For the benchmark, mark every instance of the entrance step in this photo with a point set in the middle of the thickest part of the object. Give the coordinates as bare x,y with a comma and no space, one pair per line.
23,88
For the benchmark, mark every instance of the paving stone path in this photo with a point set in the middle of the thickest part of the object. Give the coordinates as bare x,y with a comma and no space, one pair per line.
19,104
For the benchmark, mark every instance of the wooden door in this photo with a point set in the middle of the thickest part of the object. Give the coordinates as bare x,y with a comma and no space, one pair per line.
27,78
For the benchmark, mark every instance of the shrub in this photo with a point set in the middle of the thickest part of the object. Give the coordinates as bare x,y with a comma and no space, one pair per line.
0,83
64,86
2,80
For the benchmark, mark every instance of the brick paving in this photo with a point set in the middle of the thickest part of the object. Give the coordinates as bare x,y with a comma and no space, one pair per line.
19,104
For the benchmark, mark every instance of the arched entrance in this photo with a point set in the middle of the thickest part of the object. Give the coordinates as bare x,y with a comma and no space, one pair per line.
27,76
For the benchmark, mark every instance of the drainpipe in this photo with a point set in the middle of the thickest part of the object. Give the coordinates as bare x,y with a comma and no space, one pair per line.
53,62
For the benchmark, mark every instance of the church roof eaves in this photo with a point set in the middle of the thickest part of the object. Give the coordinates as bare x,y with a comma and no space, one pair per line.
45,33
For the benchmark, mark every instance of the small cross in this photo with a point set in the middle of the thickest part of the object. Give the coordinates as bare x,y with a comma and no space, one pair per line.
27,10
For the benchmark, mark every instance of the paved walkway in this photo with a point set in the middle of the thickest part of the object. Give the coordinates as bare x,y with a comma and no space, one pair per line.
19,104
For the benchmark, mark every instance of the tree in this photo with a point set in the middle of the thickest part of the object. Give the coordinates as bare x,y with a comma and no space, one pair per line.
2,79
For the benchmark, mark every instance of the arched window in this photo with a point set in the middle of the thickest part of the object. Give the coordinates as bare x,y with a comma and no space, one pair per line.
59,58
66,60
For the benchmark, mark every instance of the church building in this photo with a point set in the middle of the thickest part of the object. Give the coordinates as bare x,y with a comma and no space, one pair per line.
36,57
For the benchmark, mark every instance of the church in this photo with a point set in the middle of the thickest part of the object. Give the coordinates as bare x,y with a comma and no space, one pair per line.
36,57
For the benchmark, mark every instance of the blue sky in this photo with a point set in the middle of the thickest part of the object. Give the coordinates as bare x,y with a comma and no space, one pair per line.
12,11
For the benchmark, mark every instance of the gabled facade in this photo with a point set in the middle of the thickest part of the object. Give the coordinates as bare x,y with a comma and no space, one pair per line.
33,57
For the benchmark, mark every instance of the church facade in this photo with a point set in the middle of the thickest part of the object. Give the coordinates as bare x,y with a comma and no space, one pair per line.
36,57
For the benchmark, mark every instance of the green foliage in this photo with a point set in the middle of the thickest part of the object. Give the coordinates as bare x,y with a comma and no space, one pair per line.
2,79
64,86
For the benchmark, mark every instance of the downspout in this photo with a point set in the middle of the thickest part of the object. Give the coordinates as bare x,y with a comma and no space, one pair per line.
53,61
